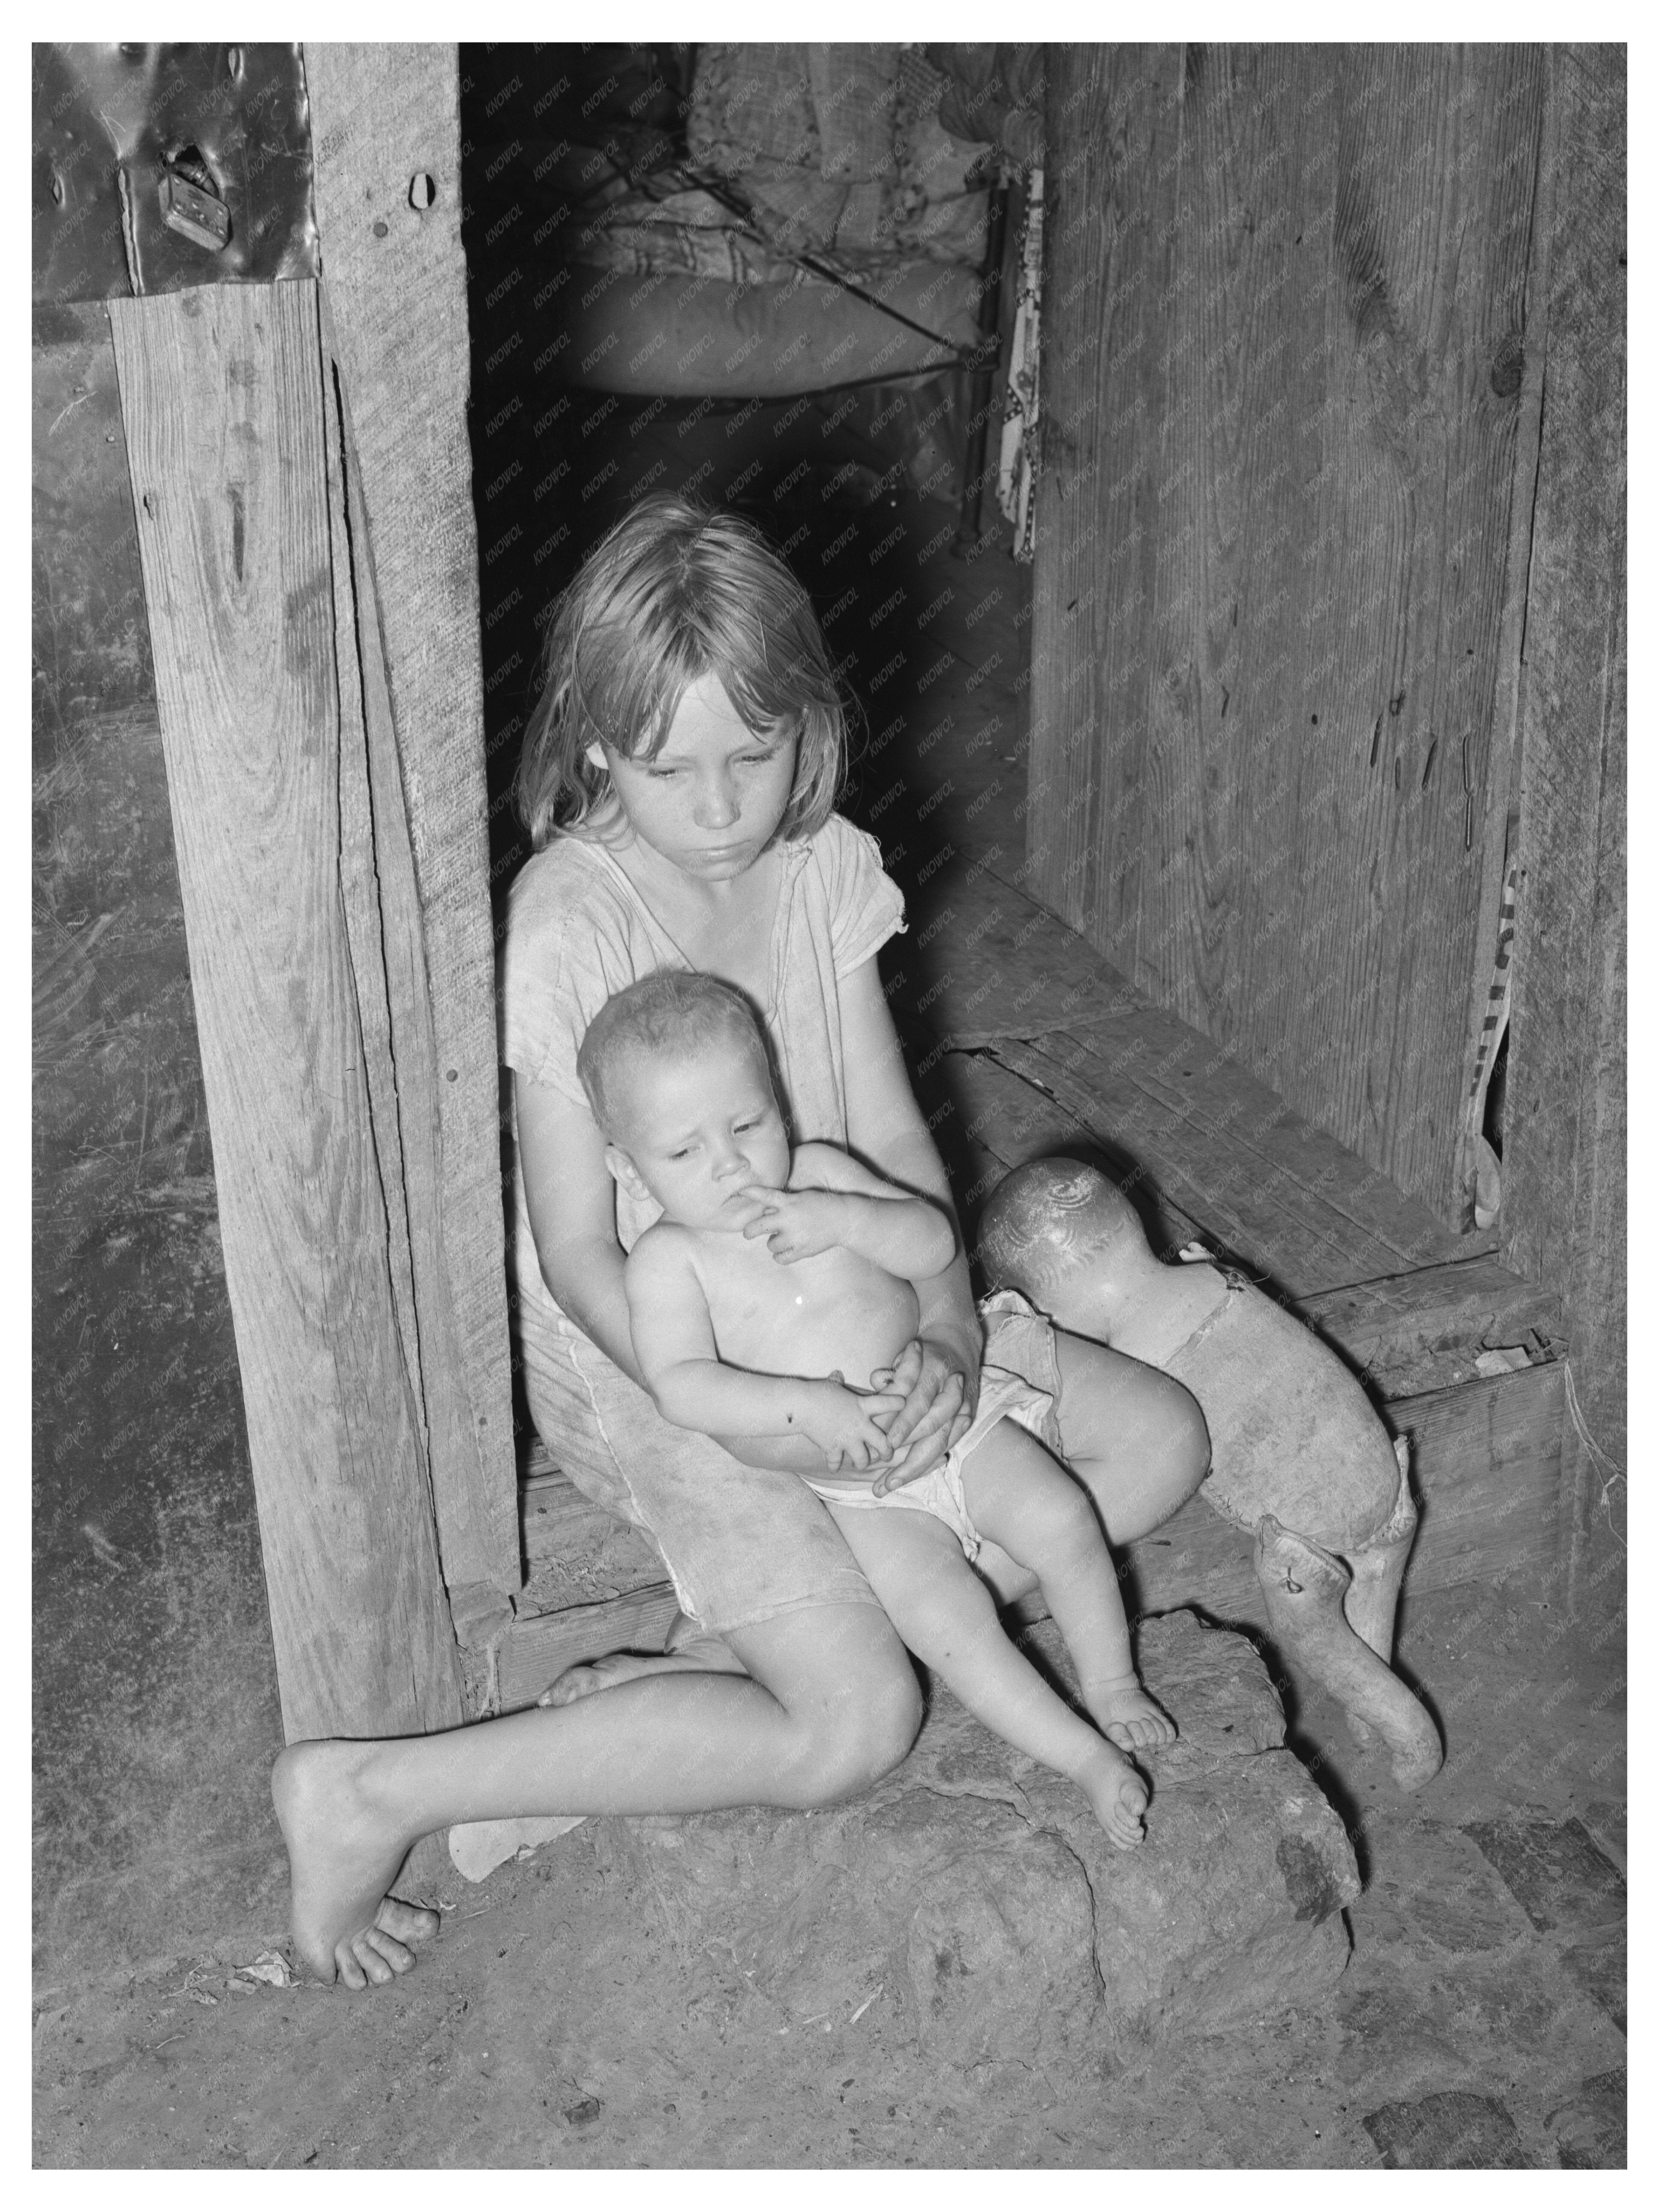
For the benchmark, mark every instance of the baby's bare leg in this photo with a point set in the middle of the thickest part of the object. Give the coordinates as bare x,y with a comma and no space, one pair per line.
1024,1501
1134,1436
946,1616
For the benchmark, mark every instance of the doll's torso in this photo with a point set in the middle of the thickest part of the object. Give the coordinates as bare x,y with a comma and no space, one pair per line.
1292,1431
1168,1305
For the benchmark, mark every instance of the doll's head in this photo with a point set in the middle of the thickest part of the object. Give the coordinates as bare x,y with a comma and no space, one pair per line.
1050,1220
676,591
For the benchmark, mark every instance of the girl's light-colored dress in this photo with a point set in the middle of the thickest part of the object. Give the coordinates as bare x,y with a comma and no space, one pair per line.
742,1544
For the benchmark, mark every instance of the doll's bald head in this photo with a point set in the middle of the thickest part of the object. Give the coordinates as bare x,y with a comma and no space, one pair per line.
1050,1220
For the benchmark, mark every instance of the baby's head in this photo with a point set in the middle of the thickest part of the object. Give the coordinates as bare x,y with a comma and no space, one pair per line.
1045,1220
675,1070
674,592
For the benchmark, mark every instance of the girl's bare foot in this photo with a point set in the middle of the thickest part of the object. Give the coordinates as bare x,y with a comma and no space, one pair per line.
341,1855
1122,1711
1118,1794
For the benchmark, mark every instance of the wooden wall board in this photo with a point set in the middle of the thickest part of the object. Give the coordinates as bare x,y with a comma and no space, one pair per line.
1563,1216
365,917
386,123
538,1647
986,968
1285,315
1422,1331
577,1553
1287,1233
221,400
1486,1463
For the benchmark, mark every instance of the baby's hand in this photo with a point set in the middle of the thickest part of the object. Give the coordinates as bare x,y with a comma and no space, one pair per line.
796,1223
844,1426
749,1206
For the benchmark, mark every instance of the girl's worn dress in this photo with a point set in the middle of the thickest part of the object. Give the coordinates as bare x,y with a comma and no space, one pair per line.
741,1544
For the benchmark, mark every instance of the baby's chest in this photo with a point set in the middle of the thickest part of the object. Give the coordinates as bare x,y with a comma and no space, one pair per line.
833,1311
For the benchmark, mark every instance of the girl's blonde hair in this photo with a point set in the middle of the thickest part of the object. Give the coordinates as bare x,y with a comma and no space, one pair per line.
674,592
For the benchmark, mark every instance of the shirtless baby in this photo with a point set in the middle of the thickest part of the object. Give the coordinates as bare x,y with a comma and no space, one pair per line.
768,1305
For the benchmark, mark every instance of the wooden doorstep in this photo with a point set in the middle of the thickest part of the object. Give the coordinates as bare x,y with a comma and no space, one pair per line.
1485,1468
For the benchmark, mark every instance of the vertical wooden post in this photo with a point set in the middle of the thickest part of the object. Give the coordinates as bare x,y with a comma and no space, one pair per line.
386,132
222,402
1563,1153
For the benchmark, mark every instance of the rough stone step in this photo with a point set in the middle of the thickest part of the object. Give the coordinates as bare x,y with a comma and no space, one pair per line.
975,1891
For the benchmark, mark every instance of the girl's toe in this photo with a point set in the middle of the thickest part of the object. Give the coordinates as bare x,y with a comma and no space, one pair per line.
399,1959
374,1966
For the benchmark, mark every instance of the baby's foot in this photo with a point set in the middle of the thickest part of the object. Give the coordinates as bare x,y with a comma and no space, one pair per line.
1122,1709
610,1673
1118,1794
341,1855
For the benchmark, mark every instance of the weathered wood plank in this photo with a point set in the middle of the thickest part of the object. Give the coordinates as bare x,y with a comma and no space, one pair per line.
1487,1458
577,1553
1563,1156
385,119
221,400
1424,1331
1278,1226
538,1647
987,968
1283,330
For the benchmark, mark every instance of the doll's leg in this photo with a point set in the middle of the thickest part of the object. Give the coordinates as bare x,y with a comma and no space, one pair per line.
1378,1570
1303,1587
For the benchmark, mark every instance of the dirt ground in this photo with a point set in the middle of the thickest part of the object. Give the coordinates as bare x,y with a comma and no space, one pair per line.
558,2020
563,2019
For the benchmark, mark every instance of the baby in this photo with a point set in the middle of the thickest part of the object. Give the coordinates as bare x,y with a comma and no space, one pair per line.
768,1305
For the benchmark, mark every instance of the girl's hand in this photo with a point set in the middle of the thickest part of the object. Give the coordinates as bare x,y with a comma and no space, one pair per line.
939,1398
796,1223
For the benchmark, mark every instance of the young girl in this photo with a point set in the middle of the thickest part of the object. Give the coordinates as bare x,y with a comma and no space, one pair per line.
678,782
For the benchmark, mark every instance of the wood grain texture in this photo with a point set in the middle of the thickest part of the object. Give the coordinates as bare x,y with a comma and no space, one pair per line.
989,969
538,1648
1234,1172
1283,319
1564,1163
1424,1331
221,400
396,296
